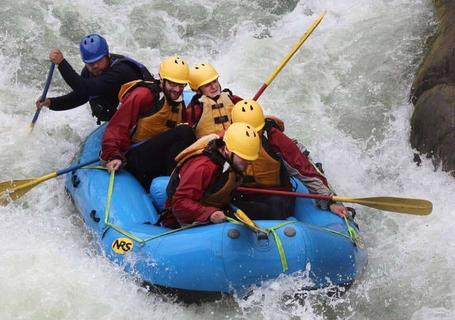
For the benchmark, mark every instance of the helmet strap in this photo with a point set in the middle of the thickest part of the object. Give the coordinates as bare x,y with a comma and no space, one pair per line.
230,161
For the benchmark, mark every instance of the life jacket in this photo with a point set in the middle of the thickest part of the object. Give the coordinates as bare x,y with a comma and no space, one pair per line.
216,115
268,170
162,115
103,107
141,69
219,193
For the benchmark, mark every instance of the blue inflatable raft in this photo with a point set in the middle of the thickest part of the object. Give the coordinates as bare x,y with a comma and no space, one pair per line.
208,260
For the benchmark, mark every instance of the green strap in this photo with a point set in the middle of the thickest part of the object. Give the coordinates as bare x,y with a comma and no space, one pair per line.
276,237
279,245
120,229
188,226
110,189
353,236
233,221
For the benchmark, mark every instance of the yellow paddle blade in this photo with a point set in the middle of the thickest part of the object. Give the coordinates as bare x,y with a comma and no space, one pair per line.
14,189
239,214
393,204
294,49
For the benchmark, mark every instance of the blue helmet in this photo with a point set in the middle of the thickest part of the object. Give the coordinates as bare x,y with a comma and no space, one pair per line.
93,47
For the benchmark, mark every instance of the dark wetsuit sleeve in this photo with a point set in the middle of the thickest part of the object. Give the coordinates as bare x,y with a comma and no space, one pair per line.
67,102
108,83
73,99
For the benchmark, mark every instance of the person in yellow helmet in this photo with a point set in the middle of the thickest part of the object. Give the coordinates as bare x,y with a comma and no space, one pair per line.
210,109
152,112
201,187
279,158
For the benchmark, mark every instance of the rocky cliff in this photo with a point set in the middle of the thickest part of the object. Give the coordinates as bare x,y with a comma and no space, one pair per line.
433,93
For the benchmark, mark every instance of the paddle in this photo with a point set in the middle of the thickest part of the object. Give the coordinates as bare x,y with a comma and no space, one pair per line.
11,190
394,204
43,96
242,217
291,53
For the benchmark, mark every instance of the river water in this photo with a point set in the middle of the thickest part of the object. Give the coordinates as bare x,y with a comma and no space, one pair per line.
344,95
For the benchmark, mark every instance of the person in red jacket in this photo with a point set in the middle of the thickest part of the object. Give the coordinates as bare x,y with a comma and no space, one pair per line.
210,109
201,186
152,113
279,158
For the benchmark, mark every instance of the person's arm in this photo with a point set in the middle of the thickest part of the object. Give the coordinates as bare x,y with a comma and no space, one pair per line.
71,77
66,102
291,153
107,83
196,175
298,164
116,139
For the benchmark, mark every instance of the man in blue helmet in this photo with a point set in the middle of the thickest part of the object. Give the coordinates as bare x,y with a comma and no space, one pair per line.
100,80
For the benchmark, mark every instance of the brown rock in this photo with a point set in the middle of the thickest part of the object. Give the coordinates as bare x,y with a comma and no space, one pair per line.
433,124
433,93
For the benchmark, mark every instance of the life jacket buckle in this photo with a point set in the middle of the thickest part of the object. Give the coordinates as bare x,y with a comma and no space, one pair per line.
217,106
221,119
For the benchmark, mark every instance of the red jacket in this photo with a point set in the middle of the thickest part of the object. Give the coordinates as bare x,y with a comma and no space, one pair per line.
117,137
196,175
195,107
291,153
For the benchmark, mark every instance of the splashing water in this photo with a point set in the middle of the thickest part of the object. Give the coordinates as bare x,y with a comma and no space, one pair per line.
344,95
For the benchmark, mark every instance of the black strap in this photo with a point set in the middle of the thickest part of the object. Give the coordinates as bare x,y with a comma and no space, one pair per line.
248,179
217,106
221,119
175,109
228,91
171,124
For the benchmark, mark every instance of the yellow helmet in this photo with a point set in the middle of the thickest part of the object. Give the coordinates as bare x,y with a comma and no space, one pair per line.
201,74
249,111
174,69
241,139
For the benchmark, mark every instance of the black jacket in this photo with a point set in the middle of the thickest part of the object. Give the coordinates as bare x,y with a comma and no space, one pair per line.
103,88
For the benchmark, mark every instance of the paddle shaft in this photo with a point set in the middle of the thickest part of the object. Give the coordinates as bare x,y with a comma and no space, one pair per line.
286,193
14,189
43,96
75,167
393,204
291,53
86,163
